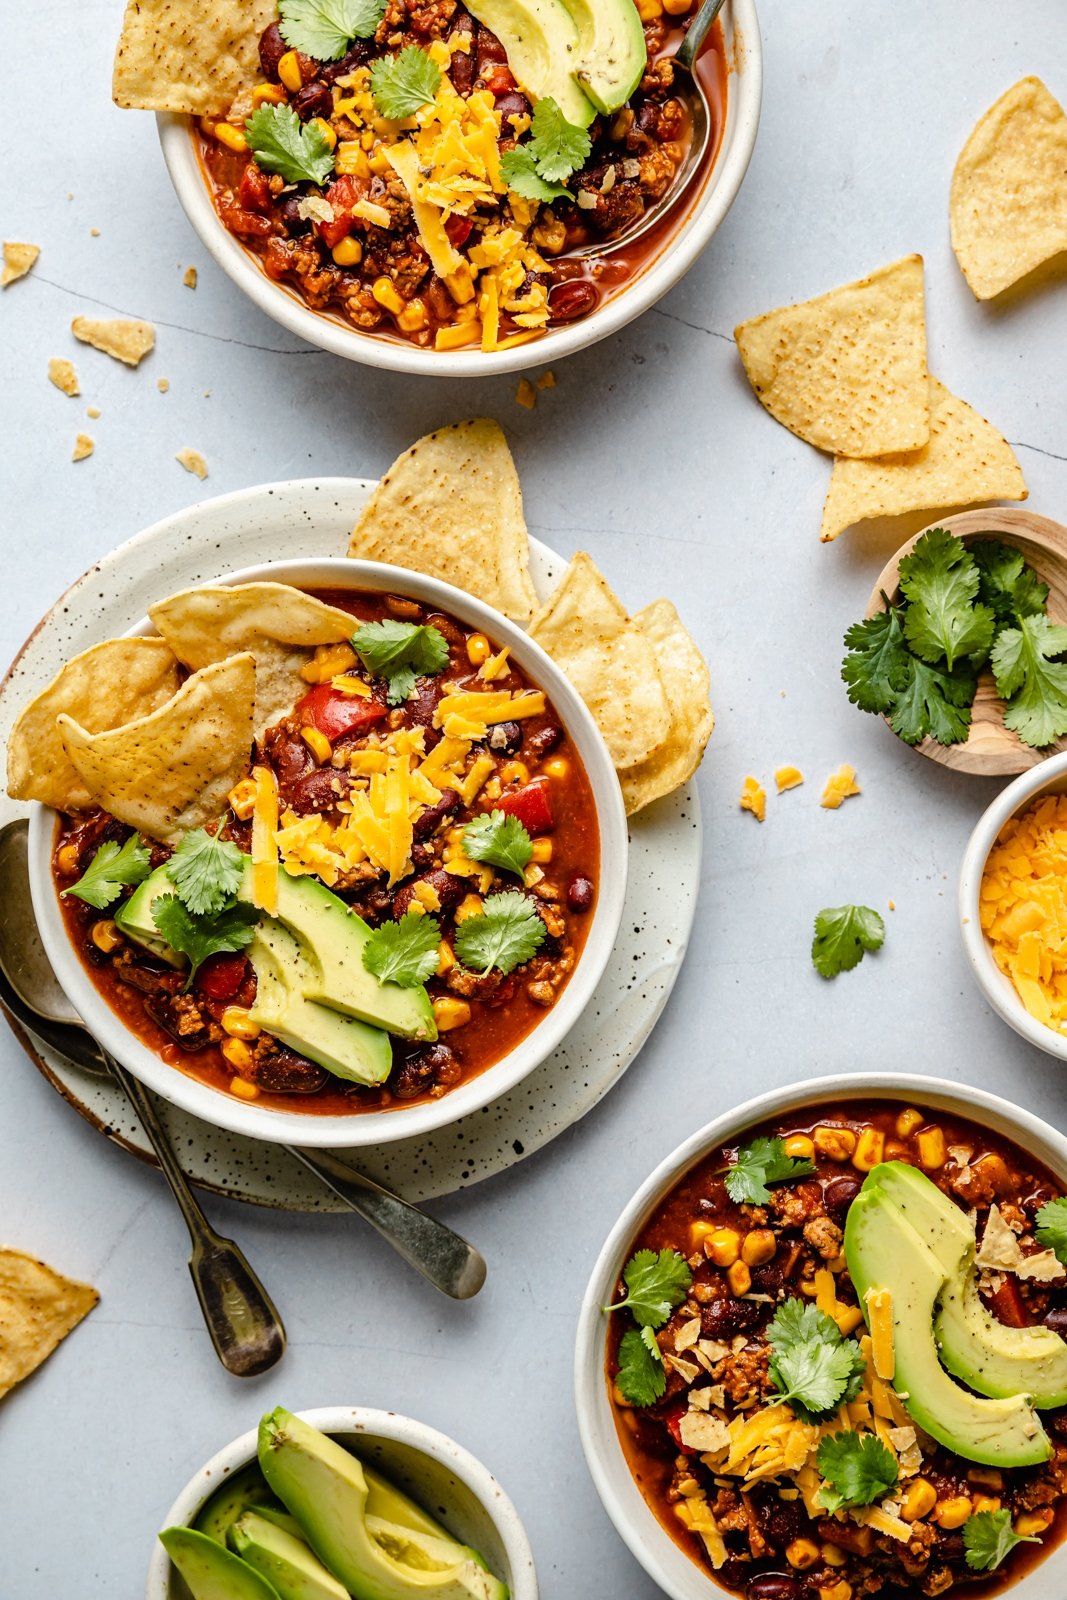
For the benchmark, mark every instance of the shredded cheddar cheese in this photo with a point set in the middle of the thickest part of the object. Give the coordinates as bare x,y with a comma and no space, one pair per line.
788,778
264,843
1023,907
840,785
880,1317
754,798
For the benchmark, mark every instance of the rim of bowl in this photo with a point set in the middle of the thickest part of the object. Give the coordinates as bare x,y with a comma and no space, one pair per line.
369,1127
1048,776
391,1425
636,1523
744,99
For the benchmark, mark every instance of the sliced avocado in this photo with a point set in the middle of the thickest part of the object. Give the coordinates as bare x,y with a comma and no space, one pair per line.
326,1491
612,53
286,1559
134,917
426,1552
239,1492
345,1047
333,938
393,1505
210,1571
883,1251
541,41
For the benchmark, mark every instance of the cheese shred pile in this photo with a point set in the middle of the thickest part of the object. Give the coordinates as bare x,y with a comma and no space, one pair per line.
1024,908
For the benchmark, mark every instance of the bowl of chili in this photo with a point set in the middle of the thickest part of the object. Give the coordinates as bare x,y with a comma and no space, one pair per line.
705,1517
550,772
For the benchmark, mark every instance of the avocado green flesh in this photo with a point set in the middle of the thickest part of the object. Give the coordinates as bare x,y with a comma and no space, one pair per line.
612,53
134,917
391,1505
883,1251
426,1552
283,1558
541,42
345,1047
237,1495
212,1572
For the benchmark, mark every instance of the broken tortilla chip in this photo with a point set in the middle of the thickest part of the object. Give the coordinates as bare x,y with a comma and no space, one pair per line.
63,375
18,260
610,660
101,688
451,507
83,447
38,1308
121,337
190,56
966,462
847,370
688,686
171,771
1008,205
193,462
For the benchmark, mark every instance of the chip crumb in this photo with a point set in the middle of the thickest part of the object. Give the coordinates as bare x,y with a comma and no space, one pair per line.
192,461
839,786
94,233
162,384
123,338
547,380
83,447
18,260
525,395
92,411
754,798
893,906
189,277
788,778
63,375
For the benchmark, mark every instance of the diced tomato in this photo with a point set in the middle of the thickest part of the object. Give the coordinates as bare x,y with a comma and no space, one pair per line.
498,80
221,976
244,223
673,1419
254,192
342,195
531,805
336,714
1008,1307
458,229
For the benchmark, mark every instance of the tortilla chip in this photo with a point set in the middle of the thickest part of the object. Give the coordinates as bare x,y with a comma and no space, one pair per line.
18,260
38,1308
172,770
451,507
103,687
193,462
121,337
1008,206
847,370
83,447
609,659
188,55
688,685
63,375
275,622
966,462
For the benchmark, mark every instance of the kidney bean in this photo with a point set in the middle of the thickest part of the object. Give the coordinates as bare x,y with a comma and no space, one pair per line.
358,56
430,820
780,1521
838,1195
543,742
777,1586
950,1547
512,104
1056,1319
579,893
769,1278
437,1064
721,1319
506,738
313,100
461,66
271,49
451,630
489,49
568,301
287,1073
318,791
449,890
290,758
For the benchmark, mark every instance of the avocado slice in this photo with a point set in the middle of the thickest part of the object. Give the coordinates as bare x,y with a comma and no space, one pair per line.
286,1559
612,53
425,1552
241,1491
392,1505
333,939
134,917
212,1572
326,1490
543,51
345,1047
883,1251
974,1345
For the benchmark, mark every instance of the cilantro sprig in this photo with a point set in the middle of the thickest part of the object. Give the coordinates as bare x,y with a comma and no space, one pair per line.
883,676
555,149
857,1468
197,937
656,1282
843,934
1050,1228
1033,681
110,870
813,1368
500,840
758,1164
1006,584
206,871
404,83
400,652
298,151
641,1378
506,933
940,579
325,28
988,1537
404,952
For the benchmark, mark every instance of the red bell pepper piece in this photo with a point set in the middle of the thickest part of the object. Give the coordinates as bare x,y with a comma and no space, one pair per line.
342,194
254,190
673,1420
1008,1306
458,230
221,976
531,805
499,80
336,714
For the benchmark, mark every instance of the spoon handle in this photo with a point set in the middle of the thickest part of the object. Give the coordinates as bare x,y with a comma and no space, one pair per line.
696,33
441,1256
244,1326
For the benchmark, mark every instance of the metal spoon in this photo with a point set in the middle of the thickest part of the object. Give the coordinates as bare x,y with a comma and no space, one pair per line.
30,990
691,92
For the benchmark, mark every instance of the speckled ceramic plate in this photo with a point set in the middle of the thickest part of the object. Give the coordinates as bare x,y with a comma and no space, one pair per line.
313,517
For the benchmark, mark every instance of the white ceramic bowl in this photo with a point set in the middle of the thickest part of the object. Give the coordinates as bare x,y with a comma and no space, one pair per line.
744,95
635,1521
1050,777
371,1128
437,1473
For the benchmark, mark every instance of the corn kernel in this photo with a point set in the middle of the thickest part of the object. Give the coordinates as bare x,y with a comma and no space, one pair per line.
932,1150
515,772
649,10
318,744
324,128
698,1233
207,126
349,253
67,859
869,1150
986,1502
243,1089
841,1590
800,1147
837,1144
848,1319
802,1554
809,1287
106,936
414,316
1031,1523
268,94
556,768
233,138
758,1247
833,1555
739,1278
953,1512
541,851
237,1022
478,649
723,1246
289,72
384,291
450,1013
445,958
469,906
237,1053
908,1121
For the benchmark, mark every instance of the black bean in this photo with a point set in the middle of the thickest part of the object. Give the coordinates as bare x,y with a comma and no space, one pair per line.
838,1195
1057,1321
506,738
358,56
721,1319
295,225
313,100
579,893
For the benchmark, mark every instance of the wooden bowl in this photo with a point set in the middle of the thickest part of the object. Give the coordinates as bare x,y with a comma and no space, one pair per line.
991,750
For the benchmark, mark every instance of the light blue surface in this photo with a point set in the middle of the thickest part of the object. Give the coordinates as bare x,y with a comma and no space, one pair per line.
652,454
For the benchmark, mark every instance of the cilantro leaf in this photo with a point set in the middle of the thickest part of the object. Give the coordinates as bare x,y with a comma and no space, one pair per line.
797,1320
519,171
1031,680
200,937
505,933
842,934
281,143
500,840
876,667
988,1537
657,1282
403,83
1051,1228
557,146
762,1162
640,1378
811,1365
206,871
404,952
940,579
111,869
1006,584
400,651
858,1470
325,28
882,675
